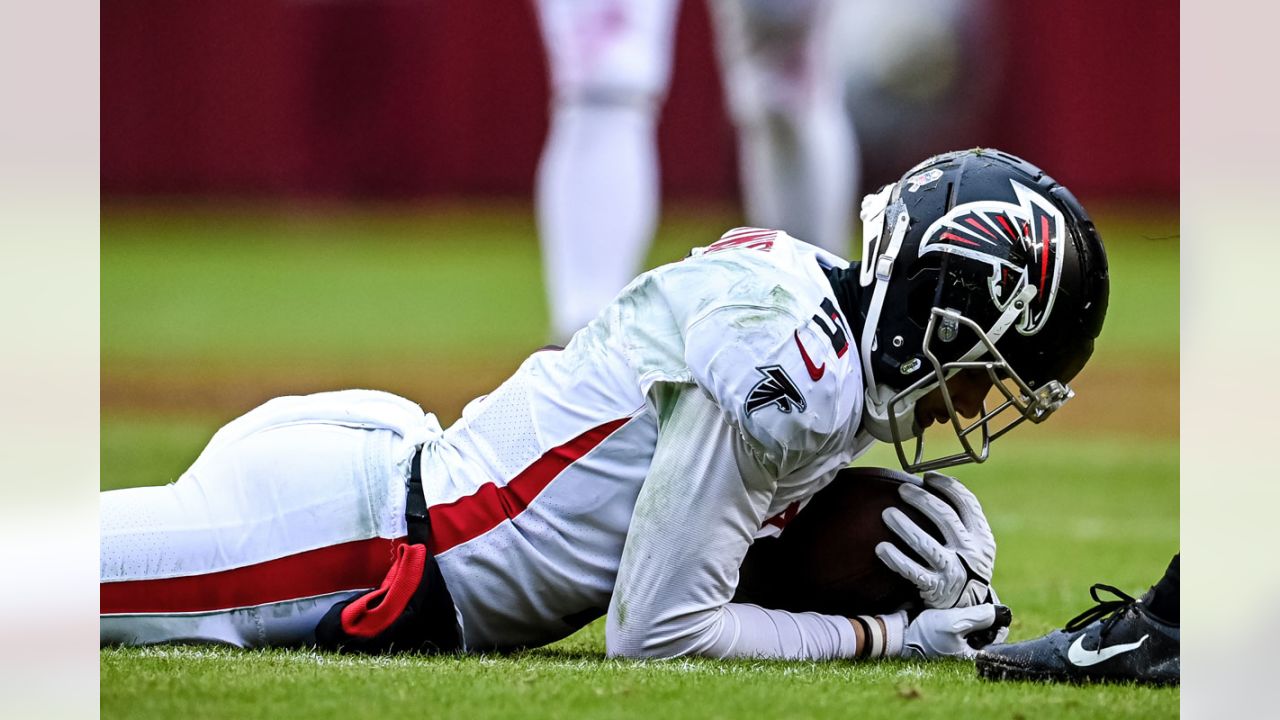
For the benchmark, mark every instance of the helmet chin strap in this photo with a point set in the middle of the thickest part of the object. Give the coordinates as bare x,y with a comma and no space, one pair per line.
877,420
877,268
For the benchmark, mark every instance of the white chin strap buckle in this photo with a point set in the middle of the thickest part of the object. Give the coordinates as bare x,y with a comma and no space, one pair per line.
884,267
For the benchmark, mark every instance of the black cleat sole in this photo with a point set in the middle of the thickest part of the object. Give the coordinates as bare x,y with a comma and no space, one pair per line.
994,669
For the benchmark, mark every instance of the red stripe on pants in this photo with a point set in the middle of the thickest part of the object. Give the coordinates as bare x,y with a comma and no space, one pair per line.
476,514
357,565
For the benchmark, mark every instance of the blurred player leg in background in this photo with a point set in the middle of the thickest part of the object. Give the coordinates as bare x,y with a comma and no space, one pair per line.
598,182
917,77
597,185
796,147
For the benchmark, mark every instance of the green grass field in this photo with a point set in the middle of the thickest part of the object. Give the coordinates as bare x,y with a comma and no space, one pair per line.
206,313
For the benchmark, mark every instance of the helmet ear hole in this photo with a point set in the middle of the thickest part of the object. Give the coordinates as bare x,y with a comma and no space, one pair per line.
937,280
923,294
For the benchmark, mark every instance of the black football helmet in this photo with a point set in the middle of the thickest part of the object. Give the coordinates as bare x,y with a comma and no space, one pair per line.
975,260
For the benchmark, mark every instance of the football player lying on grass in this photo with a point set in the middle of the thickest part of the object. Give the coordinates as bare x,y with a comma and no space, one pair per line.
629,473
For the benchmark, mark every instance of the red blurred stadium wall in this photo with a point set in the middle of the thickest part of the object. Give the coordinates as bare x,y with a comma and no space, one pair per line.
246,98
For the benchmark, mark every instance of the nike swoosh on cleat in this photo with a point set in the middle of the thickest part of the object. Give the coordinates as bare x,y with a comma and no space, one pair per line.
1084,658
815,371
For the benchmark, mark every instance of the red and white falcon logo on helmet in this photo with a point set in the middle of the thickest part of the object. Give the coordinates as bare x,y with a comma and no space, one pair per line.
1022,243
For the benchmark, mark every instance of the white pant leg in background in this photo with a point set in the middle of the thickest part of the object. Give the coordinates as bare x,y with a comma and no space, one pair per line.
597,183
797,153
290,509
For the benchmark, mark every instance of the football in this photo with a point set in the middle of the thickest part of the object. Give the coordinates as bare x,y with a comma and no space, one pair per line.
825,561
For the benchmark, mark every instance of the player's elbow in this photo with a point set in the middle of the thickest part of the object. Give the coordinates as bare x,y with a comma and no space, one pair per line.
648,639
629,646
650,645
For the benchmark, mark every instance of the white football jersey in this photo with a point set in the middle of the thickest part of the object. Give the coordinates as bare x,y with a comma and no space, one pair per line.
532,492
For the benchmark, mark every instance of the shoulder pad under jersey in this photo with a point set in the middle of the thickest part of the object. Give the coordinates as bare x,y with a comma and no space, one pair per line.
778,378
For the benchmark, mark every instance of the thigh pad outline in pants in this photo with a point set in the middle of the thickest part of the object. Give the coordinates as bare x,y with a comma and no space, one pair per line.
256,541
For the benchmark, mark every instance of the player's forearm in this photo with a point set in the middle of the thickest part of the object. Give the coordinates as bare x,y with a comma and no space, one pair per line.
737,631
751,631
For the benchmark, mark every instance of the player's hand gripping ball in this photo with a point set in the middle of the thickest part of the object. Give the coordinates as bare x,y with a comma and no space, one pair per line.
875,541
956,573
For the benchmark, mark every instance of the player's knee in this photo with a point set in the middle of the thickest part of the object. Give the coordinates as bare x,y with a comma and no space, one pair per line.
778,105
604,120
609,95
612,84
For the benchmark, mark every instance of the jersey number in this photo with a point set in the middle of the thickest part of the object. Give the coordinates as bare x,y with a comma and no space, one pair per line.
835,330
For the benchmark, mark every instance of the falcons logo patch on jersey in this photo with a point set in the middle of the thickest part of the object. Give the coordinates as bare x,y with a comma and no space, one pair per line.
775,389
1021,242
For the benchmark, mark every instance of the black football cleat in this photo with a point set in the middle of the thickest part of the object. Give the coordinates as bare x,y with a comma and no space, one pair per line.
1114,641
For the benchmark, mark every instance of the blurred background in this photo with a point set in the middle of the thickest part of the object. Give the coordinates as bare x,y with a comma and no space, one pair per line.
377,99
299,186
301,195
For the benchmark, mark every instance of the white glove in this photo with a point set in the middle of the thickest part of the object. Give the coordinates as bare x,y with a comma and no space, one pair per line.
958,573
943,633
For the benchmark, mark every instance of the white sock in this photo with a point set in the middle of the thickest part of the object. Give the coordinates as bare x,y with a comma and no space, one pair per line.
597,205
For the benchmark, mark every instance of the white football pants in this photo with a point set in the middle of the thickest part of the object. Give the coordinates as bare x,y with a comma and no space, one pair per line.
289,509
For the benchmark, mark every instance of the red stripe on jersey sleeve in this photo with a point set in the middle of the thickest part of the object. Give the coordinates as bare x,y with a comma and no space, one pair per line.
474,515
357,565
